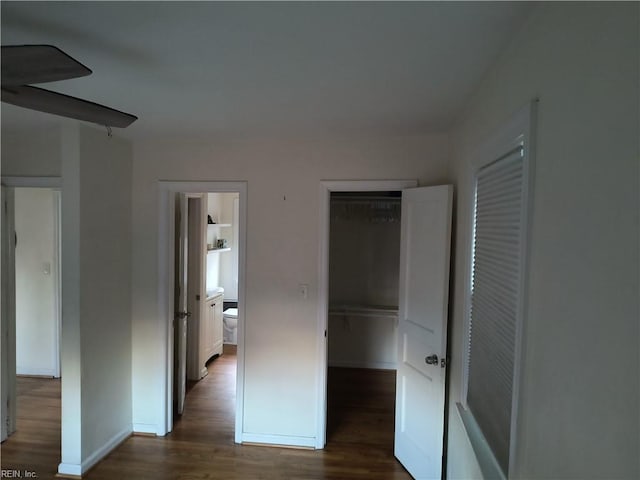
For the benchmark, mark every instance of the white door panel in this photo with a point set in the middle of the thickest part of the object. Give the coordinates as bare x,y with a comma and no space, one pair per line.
417,341
182,306
424,287
428,224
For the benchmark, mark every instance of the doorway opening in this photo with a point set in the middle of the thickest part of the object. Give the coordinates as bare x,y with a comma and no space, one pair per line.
206,292
425,236
31,322
38,280
333,317
364,264
202,293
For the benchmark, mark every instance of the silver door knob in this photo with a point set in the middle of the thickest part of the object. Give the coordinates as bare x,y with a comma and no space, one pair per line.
431,359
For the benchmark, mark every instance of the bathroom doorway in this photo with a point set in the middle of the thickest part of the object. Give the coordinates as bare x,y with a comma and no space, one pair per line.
206,253
206,286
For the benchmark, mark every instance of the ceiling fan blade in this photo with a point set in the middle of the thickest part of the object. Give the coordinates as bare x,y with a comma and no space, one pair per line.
66,106
22,64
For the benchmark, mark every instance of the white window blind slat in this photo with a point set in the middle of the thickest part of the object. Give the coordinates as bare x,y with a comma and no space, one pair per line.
500,191
504,335
497,279
501,211
493,176
497,263
492,306
495,298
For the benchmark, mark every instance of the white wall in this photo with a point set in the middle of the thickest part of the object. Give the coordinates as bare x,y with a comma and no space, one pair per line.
282,251
362,341
214,210
579,404
32,153
70,351
213,259
364,264
96,279
96,334
36,274
229,260
105,282
222,267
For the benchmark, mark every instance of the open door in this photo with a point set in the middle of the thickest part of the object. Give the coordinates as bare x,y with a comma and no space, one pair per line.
182,313
8,319
196,280
422,330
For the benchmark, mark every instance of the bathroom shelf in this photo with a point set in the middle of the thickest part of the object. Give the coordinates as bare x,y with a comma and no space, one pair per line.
218,224
228,249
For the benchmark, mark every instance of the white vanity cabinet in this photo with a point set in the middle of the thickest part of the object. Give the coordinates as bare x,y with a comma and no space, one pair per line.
216,307
211,331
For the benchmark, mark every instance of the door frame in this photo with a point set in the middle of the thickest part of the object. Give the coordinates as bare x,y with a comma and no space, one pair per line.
326,187
55,184
166,280
8,322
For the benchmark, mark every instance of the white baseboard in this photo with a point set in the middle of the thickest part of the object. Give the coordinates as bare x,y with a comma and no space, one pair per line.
95,457
149,428
357,364
36,372
275,440
70,469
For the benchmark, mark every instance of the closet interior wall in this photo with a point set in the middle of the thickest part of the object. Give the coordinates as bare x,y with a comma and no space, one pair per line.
364,263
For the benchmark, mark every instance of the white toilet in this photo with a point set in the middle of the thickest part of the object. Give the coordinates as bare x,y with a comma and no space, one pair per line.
230,328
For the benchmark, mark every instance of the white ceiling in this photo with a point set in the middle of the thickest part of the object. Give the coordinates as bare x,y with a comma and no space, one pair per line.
245,69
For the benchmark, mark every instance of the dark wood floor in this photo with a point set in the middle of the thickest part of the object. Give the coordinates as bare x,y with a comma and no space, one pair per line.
359,438
35,445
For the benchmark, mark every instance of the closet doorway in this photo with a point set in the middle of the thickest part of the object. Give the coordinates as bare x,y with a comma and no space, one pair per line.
358,269
364,263
419,403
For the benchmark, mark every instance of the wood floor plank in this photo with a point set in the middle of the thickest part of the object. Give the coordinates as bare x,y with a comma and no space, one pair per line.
35,446
201,446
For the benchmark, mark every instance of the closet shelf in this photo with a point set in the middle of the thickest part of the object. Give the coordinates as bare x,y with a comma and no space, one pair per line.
228,249
354,310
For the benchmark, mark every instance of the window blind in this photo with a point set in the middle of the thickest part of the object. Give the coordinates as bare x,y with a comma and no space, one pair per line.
495,292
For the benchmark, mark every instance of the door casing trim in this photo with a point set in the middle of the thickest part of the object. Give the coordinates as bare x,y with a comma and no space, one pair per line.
166,229
55,184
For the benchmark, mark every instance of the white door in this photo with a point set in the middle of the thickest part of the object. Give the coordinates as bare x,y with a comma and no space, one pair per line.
197,279
182,313
8,318
422,330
